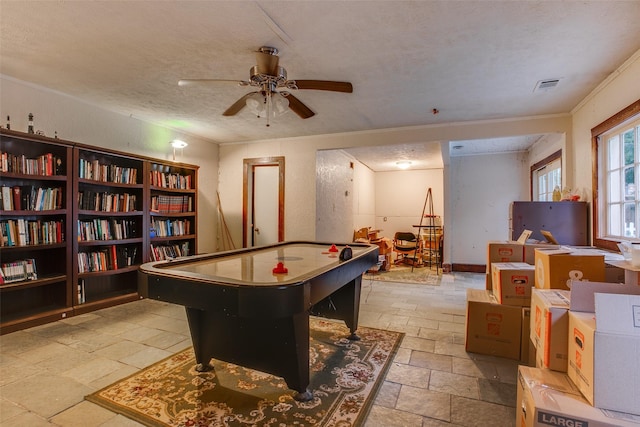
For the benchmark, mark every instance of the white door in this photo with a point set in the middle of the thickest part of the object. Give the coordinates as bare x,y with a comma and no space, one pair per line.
265,204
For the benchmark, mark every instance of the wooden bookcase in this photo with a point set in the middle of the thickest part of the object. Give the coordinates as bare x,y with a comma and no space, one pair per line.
108,235
33,169
172,210
108,223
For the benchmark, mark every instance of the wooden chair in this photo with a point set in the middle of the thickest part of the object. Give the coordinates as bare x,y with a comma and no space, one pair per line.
408,248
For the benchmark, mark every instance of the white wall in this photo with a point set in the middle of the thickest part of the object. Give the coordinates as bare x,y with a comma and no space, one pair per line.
401,196
78,121
334,197
481,190
364,195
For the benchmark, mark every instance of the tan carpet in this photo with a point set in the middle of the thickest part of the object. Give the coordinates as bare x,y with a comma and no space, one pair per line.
345,377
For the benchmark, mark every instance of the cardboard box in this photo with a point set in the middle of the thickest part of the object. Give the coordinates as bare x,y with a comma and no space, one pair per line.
604,352
492,328
512,282
504,252
547,398
550,327
554,268
530,251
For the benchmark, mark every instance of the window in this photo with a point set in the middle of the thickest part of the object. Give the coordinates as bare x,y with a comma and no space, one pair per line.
616,203
546,175
620,150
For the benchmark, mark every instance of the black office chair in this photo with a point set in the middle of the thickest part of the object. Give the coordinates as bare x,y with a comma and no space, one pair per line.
408,248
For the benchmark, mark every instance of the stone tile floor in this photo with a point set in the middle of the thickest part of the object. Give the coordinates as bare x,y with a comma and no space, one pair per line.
46,371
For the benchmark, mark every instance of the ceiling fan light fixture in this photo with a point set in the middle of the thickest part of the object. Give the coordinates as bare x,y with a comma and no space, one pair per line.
256,104
280,105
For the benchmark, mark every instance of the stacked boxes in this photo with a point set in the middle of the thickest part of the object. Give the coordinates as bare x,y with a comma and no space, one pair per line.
594,354
502,252
584,333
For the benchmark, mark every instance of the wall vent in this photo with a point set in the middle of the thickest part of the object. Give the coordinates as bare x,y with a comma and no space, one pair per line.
546,85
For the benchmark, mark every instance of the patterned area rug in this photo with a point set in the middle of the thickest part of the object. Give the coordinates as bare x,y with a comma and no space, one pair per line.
403,273
345,377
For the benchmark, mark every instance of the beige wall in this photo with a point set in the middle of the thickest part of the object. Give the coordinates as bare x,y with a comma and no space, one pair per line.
621,89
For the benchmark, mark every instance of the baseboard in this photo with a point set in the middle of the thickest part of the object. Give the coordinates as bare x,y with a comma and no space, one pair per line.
469,268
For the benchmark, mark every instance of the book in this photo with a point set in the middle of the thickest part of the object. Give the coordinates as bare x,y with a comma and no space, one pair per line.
7,198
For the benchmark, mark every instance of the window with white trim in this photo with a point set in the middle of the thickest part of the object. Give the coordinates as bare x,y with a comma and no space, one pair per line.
546,179
619,179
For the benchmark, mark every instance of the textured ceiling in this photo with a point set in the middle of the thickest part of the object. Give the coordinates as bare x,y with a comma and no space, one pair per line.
472,60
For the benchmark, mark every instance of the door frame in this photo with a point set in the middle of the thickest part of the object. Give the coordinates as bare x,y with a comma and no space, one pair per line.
249,166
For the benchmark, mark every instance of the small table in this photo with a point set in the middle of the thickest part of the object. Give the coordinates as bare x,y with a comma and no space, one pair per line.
240,311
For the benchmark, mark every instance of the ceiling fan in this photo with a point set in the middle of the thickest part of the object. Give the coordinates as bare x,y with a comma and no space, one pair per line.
273,96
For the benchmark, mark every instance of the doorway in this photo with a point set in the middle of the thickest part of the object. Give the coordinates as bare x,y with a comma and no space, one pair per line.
263,201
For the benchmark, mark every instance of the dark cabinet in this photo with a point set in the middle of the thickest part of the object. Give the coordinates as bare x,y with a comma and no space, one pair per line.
567,221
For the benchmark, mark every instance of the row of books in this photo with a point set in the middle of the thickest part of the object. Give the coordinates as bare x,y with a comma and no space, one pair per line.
162,252
109,258
17,271
46,164
171,180
96,171
169,227
31,198
171,204
24,232
106,202
106,229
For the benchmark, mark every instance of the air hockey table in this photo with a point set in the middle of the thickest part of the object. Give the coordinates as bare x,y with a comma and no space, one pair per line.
251,306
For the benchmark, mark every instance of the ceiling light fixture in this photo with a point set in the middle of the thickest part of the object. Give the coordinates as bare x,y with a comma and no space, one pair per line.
267,103
403,164
177,143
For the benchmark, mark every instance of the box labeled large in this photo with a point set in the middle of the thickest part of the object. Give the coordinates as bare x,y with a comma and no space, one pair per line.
547,398
492,328
549,327
604,351
554,268
512,282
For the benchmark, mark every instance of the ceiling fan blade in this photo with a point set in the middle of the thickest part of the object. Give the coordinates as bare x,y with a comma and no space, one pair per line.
299,108
238,105
267,63
324,85
195,82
